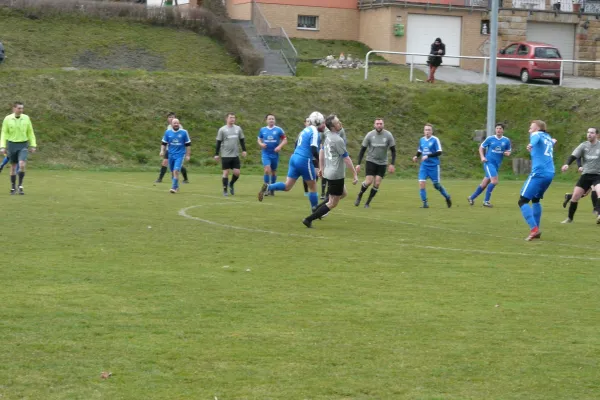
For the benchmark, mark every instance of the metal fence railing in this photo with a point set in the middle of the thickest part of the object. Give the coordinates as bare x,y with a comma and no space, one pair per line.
410,59
274,38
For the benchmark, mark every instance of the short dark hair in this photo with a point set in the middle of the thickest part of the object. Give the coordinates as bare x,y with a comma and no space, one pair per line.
378,119
499,124
171,114
18,103
269,114
594,128
329,121
229,114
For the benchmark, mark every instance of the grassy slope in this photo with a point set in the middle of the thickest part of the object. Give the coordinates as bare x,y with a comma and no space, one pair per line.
53,42
116,118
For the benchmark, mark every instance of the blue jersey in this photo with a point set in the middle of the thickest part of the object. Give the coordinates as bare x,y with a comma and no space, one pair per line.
495,149
271,137
308,138
176,140
428,147
542,158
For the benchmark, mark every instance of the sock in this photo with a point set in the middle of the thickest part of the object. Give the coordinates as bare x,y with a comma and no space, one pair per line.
489,191
323,186
572,209
276,186
363,189
273,178
234,179
174,180
442,190
266,179
528,215
163,171
321,204
372,194
423,194
537,213
313,197
4,162
13,180
305,186
319,212
594,199
225,184
476,193
21,176
184,173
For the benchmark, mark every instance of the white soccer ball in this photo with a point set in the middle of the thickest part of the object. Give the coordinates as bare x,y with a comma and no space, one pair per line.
316,118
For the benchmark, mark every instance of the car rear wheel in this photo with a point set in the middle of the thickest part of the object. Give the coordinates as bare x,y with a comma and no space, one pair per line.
525,76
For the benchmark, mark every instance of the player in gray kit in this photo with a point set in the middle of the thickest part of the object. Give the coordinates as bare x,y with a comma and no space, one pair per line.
589,152
376,144
342,134
227,146
333,160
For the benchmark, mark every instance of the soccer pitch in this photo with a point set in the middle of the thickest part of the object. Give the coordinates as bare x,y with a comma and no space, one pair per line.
197,296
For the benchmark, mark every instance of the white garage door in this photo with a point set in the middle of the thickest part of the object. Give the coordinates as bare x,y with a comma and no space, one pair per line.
421,31
561,36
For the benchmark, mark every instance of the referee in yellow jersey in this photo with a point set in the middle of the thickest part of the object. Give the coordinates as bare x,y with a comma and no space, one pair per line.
16,138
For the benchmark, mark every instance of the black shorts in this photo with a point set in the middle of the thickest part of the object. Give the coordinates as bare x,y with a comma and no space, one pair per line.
230,163
17,151
586,181
335,187
375,169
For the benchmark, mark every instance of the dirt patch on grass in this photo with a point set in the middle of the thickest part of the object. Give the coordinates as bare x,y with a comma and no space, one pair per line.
121,57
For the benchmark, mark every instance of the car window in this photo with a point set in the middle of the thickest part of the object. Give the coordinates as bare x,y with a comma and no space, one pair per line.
523,50
546,52
511,49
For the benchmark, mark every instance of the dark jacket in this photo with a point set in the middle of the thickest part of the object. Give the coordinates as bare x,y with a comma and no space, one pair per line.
437,60
1,52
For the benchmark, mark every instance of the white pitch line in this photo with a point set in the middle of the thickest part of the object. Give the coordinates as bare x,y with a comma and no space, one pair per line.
184,213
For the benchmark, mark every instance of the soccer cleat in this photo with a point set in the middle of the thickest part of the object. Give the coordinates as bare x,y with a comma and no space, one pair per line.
471,201
225,193
367,205
598,219
21,192
263,189
267,193
13,191
425,205
231,189
307,223
1,168
487,204
324,215
567,199
158,181
271,193
534,234
567,221
186,181
449,202
358,199
174,190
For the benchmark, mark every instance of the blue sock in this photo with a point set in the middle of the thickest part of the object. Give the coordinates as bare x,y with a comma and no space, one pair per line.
537,213
4,162
266,179
174,182
476,193
313,197
423,194
276,186
528,215
273,178
488,193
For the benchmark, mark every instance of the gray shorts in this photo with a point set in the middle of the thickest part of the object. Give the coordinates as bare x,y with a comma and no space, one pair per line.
17,151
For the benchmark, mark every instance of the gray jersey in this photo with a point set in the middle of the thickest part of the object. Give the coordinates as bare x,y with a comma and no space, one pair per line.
590,155
341,133
334,150
377,145
230,138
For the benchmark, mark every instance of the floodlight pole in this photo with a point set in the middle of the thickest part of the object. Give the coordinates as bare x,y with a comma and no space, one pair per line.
491,104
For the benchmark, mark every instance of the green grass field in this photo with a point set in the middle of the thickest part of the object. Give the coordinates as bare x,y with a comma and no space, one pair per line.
196,296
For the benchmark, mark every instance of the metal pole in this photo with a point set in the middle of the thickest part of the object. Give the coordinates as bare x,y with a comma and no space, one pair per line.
484,70
367,65
491,106
412,63
562,71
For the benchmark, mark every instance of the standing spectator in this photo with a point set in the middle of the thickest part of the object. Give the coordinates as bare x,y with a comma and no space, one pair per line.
438,49
2,56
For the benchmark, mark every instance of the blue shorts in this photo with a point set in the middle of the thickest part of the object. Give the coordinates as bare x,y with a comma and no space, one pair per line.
271,160
429,171
536,185
175,162
301,167
490,170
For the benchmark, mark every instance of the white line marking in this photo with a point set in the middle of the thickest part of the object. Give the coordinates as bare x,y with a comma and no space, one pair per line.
184,213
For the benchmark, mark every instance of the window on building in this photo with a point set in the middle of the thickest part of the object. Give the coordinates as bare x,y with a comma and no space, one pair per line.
308,22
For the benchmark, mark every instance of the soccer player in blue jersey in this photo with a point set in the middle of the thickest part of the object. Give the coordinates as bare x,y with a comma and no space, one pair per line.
179,144
495,148
430,148
541,147
301,164
165,162
271,140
